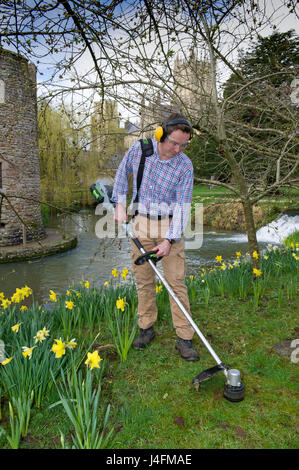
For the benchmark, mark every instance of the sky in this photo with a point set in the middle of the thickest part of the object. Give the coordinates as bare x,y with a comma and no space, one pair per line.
84,65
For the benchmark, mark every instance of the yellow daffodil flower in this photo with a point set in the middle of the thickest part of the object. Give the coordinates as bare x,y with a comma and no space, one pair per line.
114,272
16,327
5,303
27,352
71,344
218,258
69,305
87,285
257,272
120,304
68,293
106,283
158,288
6,361
58,348
53,296
41,335
23,308
93,360
255,255
238,254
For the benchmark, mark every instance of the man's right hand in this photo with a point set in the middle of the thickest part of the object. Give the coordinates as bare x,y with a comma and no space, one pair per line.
120,214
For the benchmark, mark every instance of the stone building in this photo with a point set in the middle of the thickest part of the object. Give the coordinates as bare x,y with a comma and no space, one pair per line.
193,85
20,216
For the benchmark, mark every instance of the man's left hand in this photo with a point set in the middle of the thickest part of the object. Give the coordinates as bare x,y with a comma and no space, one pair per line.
163,248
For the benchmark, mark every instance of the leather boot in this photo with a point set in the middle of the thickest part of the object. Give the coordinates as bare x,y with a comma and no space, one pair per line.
185,347
144,338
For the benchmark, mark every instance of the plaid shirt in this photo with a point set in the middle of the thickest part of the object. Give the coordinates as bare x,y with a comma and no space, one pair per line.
166,186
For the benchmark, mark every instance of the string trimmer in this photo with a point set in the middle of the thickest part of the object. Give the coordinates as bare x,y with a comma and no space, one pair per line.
233,388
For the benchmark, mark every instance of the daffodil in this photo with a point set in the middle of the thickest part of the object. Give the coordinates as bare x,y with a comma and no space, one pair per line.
191,277
23,308
68,293
218,258
93,360
16,327
238,254
87,285
58,348
114,272
5,303
255,255
41,335
158,288
106,283
120,304
53,296
71,344
124,273
6,361
69,305
257,272
27,351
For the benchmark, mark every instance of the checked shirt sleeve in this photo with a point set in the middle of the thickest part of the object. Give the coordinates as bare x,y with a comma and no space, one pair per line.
120,187
182,207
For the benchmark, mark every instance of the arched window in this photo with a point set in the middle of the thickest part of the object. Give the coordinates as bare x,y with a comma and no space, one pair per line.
2,92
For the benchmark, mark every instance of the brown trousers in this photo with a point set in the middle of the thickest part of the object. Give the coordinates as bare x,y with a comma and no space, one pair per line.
150,233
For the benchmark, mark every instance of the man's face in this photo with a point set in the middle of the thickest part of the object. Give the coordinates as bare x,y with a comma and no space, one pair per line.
174,143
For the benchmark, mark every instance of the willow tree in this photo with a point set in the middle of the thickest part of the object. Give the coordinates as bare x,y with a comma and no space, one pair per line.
58,156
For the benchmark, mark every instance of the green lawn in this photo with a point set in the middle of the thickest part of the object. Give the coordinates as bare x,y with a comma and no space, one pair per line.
153,402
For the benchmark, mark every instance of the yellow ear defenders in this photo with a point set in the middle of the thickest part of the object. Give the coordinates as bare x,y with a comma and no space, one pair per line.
161,131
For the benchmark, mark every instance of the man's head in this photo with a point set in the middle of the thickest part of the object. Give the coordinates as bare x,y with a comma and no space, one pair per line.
173,135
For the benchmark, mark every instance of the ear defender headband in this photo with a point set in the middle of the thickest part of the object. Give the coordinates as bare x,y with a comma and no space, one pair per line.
161,131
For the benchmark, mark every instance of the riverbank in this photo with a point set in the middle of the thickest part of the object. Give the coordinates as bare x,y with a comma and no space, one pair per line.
222,211
54,243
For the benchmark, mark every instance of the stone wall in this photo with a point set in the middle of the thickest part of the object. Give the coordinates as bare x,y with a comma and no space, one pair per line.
19,162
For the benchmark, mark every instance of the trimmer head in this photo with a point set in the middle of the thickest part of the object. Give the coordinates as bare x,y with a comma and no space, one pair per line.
233,389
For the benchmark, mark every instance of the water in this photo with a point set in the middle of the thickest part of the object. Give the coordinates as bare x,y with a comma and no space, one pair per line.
93,259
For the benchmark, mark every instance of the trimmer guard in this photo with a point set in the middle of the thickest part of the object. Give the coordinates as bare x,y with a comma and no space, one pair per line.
208,373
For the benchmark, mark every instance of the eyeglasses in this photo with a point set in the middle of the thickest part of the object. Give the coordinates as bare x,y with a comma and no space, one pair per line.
175,144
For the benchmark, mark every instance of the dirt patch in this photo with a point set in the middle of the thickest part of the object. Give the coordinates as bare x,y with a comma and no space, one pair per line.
179,421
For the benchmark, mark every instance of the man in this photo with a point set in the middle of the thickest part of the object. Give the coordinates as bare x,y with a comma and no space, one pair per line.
164,201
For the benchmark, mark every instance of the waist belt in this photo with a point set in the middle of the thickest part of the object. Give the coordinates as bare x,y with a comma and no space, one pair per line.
156,217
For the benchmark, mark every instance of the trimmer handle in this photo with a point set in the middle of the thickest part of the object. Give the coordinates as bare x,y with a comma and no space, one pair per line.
149,255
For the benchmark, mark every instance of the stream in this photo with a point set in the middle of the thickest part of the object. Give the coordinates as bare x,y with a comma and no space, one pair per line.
93,259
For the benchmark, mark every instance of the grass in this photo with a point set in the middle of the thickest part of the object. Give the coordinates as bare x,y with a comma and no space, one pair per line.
153,404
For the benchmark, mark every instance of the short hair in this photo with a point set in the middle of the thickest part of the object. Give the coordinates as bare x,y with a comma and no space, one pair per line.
184,127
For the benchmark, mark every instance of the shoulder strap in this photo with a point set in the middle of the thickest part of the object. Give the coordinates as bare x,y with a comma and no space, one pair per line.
147,150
